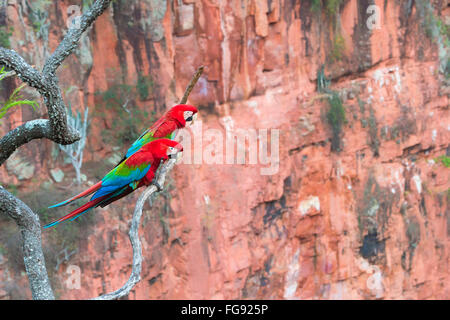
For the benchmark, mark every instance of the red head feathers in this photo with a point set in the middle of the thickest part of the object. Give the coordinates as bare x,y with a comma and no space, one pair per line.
182,113
163,148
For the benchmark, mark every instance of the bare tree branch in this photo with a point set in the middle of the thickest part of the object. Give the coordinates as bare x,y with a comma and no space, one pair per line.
71,39
48,86
55,129
33,256
34,129
133,234
27,73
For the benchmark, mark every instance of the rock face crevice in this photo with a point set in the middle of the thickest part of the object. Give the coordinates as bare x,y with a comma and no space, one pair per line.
371,221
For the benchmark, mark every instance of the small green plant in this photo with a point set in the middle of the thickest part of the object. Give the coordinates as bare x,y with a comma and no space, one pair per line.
316,6
371,122
5,34
374,141
331,10
336,119
331,6
430,23
444,30
362,105
12,188
338,48
130,121
87,4
144,87
38,16
131,126
437,31
322,82
15,99
444,160
336,113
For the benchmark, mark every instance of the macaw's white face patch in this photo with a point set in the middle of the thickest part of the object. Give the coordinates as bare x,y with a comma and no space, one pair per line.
187,115
190,117
172,151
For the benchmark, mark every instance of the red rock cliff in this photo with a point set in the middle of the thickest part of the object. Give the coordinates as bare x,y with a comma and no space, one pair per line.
359,211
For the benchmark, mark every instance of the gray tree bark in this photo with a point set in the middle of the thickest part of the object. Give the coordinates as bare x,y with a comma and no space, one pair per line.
47,84
33,256
54,128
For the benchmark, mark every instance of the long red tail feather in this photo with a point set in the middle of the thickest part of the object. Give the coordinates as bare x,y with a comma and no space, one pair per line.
91,204
85,193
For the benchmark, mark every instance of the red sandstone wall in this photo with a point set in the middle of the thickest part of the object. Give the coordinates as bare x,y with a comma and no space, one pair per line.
355,224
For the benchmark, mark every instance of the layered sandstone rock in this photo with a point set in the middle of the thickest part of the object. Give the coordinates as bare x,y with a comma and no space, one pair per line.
371,221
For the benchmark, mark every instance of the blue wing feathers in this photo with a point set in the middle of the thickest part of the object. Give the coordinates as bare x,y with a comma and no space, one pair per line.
134,148
113,182
136,145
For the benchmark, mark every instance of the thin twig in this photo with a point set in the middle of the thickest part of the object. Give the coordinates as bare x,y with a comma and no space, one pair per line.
191,84
133,234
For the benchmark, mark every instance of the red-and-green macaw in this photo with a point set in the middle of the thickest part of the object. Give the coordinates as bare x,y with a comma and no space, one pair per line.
175,118
134,172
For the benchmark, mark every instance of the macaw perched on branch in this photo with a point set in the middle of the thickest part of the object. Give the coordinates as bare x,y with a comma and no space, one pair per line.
175,118
134,172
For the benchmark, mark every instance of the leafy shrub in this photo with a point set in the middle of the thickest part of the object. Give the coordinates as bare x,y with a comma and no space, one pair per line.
143,86
336,113
336,119
316,5
338,48
15,99
130,121
331,6
444,160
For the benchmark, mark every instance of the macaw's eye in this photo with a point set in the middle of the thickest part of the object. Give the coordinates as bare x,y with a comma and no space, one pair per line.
188,115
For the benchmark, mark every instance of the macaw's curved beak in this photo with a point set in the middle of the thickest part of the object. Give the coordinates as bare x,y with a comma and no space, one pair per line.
179,156
190,121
